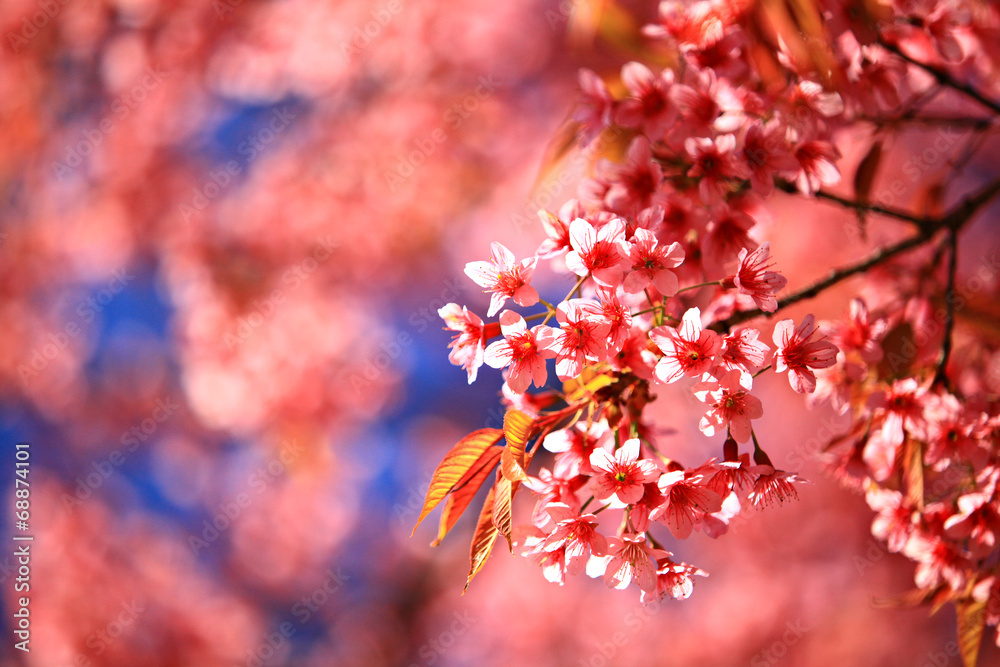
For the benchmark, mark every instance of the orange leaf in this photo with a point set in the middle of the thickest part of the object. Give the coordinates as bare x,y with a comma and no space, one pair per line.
517,429
456,464
503,503
971,621
465,490
914,472
482,540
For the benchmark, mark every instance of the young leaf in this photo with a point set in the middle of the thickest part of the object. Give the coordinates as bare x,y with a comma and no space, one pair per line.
971,621
517,428
503,502
457,462
465,490
914,472
482,540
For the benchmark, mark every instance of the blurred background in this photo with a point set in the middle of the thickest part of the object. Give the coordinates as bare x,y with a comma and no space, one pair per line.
226,227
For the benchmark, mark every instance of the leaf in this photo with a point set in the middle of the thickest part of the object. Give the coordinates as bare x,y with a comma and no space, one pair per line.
503,504
864,179
465,490
586,385
971,621
517,429
482,540
457,462
913,473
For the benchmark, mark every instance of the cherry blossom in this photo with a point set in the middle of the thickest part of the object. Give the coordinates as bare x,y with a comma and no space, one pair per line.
623,475
730,405
651,263
596,252
686,500
505,278
523,350
800,355
632,559
687,350
755,280
467,347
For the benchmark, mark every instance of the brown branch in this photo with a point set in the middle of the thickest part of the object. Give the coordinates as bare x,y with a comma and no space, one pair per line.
953,221
834,277
976,124
944,78
920,222
941,377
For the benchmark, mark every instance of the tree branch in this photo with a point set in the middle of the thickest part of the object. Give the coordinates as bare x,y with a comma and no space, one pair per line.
920,222
953,221
944,78
834,277
941,377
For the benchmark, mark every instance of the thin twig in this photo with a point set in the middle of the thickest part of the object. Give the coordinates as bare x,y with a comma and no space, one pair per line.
921,222
941,376
953,220
834,277
944,78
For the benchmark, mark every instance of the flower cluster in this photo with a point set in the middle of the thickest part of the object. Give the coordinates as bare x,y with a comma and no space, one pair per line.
927,461
625,328
671,274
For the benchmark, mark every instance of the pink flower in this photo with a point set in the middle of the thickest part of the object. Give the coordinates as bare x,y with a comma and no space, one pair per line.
632,559
631,186
580,338
557,229
624,475
596,106
894,522
615,314
937,560
649,105
531,544
898,409
554,486
860,334
596,253
753,278
635,356
773,486
811,95
742,349
817,165
730,404
525,351
575,534
651,263
727,234
674,580
707,106
687,350
714,165
767,154
504,278
733,476
687,500
800,355
466,347
575,445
